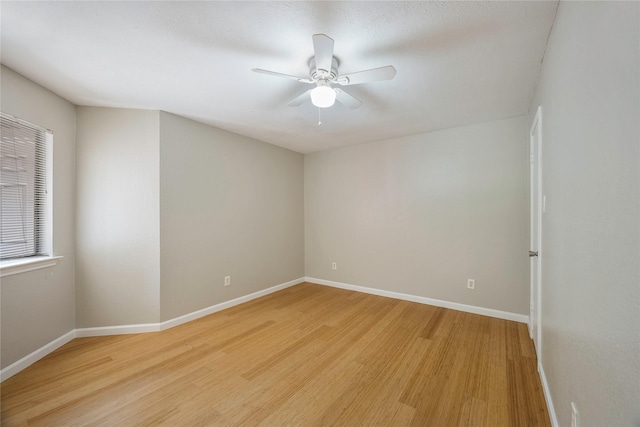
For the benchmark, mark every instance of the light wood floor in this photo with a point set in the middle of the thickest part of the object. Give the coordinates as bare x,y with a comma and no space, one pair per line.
307,355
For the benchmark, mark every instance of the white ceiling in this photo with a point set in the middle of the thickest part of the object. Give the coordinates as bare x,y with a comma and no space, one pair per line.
458,63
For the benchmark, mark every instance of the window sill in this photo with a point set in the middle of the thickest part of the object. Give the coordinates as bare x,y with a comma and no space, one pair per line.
9,267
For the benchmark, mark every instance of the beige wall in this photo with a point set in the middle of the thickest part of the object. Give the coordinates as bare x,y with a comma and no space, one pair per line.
422,214
229,205
38,306
167,207
590,97
118,231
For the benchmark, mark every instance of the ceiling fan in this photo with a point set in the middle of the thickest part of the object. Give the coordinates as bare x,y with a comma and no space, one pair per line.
323,73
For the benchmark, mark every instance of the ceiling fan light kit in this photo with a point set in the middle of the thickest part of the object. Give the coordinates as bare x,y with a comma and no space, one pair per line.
323,72
323,95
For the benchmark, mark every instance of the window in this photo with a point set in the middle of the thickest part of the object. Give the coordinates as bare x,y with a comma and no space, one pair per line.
24,189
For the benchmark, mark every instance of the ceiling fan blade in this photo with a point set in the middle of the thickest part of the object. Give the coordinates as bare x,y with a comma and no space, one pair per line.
323,51
366,76
299,100
347,100
273,73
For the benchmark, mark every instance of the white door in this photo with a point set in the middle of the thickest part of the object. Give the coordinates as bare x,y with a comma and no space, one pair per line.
535,186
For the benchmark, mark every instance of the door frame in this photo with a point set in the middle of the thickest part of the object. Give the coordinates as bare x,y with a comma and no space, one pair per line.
536,202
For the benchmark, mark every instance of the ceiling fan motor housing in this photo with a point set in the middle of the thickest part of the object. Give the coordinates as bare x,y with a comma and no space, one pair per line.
320,74
324,94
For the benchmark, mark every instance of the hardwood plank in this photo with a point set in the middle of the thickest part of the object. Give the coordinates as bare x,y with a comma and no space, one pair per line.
472,414
497,413
307,355
434,322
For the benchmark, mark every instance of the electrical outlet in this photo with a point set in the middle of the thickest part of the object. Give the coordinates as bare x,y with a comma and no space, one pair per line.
574,415
471,283
227,280
334,266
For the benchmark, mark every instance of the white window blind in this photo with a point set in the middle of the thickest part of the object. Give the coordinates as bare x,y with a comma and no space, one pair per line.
23,189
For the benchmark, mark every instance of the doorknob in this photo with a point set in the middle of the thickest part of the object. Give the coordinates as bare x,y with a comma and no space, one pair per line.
532,253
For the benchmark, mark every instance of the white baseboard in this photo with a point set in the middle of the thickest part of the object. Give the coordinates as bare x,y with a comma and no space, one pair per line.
547,396
167,324
227,304
522,318
30,359
33,357
117,330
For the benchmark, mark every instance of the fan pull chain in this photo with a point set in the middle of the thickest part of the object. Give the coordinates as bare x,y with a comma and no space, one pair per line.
319,118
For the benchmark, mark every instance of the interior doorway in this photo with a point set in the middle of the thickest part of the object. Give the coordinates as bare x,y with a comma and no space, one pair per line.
535,234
